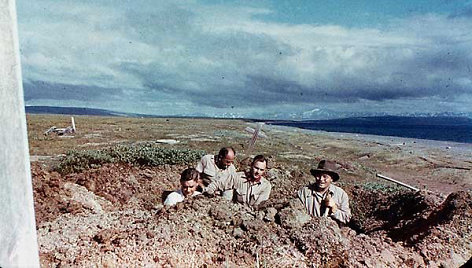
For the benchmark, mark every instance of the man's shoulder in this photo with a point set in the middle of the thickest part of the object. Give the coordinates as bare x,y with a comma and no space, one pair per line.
305,191
265,182
207,162
240,175
237,178
208,157
305,188
336,189
175,194
174,197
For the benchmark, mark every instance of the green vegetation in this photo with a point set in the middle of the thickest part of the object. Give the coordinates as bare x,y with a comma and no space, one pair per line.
147,154
382,187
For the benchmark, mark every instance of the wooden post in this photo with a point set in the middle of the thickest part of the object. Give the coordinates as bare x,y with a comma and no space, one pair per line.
73,123
398,182
18,242
256,133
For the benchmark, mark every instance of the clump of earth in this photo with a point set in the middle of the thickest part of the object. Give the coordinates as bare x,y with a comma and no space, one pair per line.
113,216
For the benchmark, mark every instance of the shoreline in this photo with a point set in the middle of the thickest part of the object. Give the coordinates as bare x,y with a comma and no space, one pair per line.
464,149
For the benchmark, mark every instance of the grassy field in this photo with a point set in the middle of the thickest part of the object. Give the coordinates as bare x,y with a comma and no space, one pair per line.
97,132
203,134
291,148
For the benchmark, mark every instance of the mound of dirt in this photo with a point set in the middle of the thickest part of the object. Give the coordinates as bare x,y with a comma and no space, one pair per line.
51,198
112,216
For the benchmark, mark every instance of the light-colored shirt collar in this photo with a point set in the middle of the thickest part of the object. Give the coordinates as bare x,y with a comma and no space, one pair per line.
313,192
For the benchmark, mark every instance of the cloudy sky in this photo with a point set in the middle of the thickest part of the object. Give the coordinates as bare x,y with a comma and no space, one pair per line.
273,59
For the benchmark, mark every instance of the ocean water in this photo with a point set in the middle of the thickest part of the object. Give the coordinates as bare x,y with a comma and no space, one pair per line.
456,129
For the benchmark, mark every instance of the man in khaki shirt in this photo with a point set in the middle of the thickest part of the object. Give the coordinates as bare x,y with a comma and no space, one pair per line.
217,167
249,188
323,198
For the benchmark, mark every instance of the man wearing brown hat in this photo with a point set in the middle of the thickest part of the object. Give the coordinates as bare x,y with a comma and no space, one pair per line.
324,199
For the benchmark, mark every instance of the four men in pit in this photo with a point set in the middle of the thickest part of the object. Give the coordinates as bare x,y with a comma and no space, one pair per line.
216,174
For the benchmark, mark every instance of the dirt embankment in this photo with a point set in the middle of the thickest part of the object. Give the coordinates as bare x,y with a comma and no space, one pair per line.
111,216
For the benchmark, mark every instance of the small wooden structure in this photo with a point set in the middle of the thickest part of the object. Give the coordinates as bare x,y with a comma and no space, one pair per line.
62,131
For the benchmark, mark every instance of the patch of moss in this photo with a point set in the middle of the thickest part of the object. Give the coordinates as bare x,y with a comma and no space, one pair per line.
147,154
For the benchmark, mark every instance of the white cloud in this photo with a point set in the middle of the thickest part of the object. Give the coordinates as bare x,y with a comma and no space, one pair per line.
214,57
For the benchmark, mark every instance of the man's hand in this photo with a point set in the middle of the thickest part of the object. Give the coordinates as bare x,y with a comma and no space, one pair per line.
207,194
262,205
201,186
329,203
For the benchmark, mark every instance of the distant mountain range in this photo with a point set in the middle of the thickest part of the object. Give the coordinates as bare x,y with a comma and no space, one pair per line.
442,119
95,112
447,128
77,111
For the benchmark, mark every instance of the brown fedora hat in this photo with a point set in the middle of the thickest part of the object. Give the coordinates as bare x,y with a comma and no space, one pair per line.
328,167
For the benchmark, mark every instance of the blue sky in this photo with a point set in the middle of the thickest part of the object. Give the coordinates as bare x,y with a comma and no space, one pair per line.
265,59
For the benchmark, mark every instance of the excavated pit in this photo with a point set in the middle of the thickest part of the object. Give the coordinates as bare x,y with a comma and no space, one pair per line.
112,216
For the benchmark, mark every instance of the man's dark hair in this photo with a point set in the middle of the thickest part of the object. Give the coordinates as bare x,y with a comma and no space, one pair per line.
259,158
225,150
189,174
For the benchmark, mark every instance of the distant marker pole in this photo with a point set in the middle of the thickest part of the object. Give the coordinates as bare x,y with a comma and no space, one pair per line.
255,135
18,240
73,123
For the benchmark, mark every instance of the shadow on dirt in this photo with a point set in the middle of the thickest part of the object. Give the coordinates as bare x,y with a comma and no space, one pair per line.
405,216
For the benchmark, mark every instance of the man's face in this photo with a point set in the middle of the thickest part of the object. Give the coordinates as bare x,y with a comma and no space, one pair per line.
188,187
258,170
225,162
323,181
